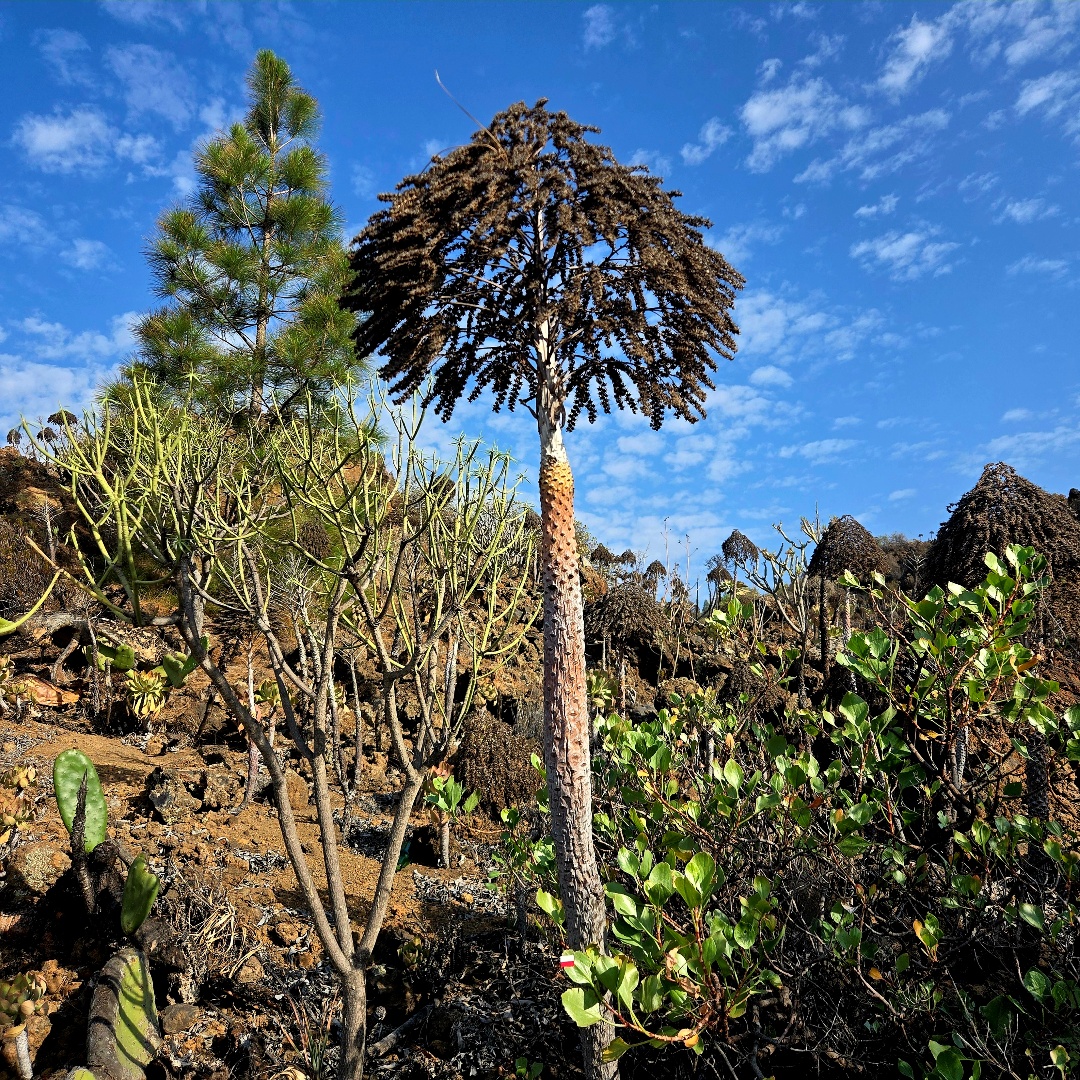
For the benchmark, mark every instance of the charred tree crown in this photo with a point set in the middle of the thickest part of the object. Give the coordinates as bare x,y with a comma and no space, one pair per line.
532,262
846,545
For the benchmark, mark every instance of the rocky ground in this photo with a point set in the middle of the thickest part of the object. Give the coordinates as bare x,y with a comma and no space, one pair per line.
254,997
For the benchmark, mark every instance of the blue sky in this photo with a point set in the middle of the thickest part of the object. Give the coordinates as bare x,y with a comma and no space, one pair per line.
897,182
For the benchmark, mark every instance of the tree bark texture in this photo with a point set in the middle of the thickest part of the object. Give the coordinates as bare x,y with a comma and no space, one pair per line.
566,730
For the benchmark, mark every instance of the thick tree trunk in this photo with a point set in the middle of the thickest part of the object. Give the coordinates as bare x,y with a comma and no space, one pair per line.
566,723
354,1025
444,841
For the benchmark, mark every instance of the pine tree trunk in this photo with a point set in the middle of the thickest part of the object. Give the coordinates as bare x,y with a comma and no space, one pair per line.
566,723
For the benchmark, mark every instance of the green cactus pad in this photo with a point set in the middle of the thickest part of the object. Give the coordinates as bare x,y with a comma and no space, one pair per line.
177,668
121,657
68,771
79,1073
140,892
124,1033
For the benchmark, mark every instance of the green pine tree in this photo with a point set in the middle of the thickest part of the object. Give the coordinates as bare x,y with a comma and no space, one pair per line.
252,267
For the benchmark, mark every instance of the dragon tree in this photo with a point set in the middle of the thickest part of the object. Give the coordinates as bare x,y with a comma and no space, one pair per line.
531,262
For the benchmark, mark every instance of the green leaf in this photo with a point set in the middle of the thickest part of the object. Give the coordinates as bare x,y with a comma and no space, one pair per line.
552,906
745,933
615,1049
949,1065
582,1006
701,873
998,1014
1032,914
1036,984
733,774
471,803
659,885
624,902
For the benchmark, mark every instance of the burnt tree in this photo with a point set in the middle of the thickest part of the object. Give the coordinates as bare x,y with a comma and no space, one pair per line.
531,262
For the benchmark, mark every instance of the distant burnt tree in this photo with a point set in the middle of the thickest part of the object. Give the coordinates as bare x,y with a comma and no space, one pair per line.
1004,508
846,545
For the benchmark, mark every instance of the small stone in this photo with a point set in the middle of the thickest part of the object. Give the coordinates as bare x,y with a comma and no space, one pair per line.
169,796
178,1018
286,933
250,972
39,864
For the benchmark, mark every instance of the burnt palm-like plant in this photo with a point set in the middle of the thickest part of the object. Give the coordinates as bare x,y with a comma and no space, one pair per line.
531,262
845,545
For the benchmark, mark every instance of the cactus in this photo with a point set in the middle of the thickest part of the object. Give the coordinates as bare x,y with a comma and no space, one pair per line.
121,657
146,691
124,1034
79,1073
19,1000
177,668
69,769
140,891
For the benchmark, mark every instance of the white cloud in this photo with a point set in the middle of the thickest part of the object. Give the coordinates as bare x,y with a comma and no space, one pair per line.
885,205
32,389
1017,414
600,28
54,341
769,375
791,117
153,83
363,182
1027,447
828,48
1025,211
713,134
846,421
917,45
648,442
906,256
975,184
785,329
86,254
1019,31
738,242
653,160
63,51
76,141
148,12
769,69
1037,264
883,149
1056,95
903,493
21,226
138,149
819,451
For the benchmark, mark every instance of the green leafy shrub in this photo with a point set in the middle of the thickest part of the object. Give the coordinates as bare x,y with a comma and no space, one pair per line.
868,884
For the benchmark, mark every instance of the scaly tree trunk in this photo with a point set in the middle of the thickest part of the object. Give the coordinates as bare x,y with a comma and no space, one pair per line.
566,722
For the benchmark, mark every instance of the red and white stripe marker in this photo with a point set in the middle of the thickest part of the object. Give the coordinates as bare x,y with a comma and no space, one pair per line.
566,960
